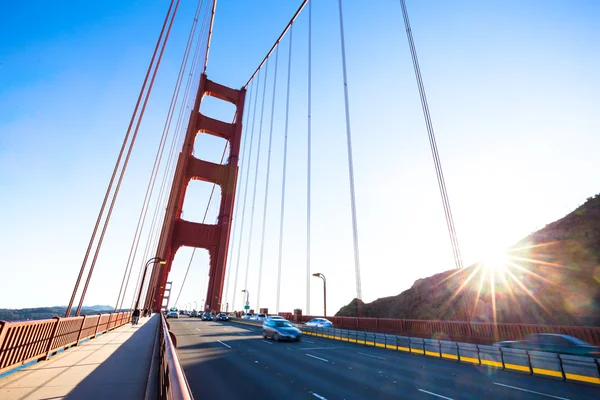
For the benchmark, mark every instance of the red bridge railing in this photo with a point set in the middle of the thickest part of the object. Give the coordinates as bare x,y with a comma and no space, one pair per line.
24,342
473,332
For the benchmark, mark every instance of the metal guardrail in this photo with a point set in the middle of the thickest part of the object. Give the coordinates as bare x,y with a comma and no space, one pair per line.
25,342
475,332
561,366
172,381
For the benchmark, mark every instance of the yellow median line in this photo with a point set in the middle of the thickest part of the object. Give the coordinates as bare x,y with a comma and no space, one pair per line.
548,372
583,378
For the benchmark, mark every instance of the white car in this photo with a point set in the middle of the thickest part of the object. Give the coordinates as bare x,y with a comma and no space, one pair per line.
173,313
320,323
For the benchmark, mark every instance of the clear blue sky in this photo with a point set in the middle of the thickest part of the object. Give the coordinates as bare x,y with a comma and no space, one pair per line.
512,89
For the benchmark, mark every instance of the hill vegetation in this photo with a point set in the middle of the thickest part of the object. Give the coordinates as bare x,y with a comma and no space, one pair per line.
550,277
26,314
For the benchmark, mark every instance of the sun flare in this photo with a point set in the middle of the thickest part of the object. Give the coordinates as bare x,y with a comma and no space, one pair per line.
496,260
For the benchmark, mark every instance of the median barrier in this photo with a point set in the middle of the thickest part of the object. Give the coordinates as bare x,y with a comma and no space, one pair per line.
580,369
380,340
417,345
516,360
449,350
390,342
547,364
490,356
432,347
403,343
468,353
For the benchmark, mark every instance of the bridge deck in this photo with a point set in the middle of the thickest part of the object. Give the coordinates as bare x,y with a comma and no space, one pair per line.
114,365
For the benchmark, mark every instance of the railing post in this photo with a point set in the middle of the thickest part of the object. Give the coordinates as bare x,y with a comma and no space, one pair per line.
97,325
2,333
80,330
52,337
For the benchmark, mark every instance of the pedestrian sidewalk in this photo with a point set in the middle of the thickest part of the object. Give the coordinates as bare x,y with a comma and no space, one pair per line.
112,366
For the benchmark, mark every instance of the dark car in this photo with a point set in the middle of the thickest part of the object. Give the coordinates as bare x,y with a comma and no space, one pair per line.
281,330
554,343
207,317
222,317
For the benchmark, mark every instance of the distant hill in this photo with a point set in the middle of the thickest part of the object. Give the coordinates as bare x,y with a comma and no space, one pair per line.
552,277
26,314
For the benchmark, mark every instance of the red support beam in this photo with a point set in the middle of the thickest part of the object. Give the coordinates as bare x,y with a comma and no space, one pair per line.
177,232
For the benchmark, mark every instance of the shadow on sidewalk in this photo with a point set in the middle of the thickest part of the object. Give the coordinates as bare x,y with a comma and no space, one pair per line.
125,373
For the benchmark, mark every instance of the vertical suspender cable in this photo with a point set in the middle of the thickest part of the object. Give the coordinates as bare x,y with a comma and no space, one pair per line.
210,29
237,267
285,146
264,222
170,168
432,141
308,160
212,192
237,200
350,162
260,129
157,160
118,162
122,174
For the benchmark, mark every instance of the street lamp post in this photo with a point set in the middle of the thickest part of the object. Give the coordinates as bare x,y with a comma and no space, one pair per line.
320,275
247,298
150,261
195,305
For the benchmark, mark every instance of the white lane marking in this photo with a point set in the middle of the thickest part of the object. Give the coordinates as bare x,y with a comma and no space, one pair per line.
224,344
320,348
198,330
308,341
530,391
318,396
435,394
318,358
264,341
239,333
369,355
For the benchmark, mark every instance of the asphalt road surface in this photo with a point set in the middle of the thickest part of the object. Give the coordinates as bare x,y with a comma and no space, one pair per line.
233,361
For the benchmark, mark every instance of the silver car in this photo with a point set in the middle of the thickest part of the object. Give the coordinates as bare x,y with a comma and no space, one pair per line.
281,330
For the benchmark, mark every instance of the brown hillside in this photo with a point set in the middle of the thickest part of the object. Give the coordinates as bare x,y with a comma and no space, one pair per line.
550,277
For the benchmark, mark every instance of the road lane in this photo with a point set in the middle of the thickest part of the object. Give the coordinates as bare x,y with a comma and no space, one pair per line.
254,368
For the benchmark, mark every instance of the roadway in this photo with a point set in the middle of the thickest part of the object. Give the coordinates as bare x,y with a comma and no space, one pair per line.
233,361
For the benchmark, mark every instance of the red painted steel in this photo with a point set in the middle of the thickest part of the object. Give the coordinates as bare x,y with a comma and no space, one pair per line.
171,379
177,232
473,332
24,342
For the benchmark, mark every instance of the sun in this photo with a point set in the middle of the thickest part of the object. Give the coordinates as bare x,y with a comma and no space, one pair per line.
495,260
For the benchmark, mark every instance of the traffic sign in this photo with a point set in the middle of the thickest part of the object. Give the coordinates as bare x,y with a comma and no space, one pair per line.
246,307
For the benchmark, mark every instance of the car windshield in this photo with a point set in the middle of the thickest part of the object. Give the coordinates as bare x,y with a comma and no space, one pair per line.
283,324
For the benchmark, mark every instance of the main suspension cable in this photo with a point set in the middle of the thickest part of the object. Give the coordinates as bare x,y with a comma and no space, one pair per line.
237,267
432,142
122,174
258,148
264,222
157,161
118,162
285,146
308,160
350,162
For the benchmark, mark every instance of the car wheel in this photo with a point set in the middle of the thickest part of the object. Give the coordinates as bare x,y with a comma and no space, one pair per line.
264,334
299,338
276,337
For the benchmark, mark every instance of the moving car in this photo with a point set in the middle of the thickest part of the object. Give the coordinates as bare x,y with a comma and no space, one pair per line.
173,313
320,323
554,343
207,317
222,317
281,330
